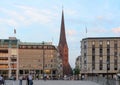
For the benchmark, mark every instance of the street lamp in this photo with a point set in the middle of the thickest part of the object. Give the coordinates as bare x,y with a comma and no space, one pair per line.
43,59
92,73
107,62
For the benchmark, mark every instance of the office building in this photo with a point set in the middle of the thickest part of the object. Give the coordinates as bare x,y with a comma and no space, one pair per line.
100,56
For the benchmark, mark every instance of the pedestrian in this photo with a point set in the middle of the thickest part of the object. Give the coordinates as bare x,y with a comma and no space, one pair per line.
27,80
45,77
1,80
20,80
30,79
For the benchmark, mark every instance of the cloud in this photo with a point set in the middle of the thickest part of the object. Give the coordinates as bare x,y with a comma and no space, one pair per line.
116,30
25,15
71,32
72,36
71,12
36,15
11,17
100,17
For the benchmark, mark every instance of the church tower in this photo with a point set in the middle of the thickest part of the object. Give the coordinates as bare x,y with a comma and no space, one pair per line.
63,48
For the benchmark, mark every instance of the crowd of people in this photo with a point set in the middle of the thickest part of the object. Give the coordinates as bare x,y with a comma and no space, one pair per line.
29,80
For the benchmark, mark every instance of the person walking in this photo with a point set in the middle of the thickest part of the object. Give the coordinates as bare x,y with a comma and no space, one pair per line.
27,80
30,79
20,80
1,80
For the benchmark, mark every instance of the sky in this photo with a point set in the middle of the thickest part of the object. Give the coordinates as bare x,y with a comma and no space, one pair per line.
40,20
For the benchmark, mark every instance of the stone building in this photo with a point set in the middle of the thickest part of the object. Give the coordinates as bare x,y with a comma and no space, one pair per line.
100,56
21,58
9,57
39,59
78,62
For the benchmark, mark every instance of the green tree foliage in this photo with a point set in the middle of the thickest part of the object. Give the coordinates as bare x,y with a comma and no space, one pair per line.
76,71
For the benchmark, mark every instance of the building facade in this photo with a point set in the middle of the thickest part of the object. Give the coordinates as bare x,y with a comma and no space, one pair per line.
21,58
39,59
9,57
78,62
100,56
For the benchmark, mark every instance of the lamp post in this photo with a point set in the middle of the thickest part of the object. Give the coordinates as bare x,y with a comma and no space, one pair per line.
107,62
43,59
92,73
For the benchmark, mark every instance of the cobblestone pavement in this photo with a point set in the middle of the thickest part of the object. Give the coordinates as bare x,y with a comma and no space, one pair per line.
53,82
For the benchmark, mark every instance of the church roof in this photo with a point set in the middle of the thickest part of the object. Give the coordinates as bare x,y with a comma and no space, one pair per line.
62,40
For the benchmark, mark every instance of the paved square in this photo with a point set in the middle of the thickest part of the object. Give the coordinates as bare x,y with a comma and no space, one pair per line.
53,82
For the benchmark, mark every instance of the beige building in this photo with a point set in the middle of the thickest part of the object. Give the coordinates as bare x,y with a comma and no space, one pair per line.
21,58
100,56
9,57
39,59
77,62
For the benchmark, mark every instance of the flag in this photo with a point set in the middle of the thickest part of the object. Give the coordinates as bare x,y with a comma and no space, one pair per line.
14,31
86,29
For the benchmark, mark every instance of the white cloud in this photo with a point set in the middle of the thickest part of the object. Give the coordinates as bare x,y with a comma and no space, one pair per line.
71,32
116,30
25,15
11,17
72,36
71,12
100,17
36,15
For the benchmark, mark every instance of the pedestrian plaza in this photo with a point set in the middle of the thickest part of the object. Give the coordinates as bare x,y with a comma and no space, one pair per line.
52,82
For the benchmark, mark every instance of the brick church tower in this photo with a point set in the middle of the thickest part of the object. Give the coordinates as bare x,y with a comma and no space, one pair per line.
63,49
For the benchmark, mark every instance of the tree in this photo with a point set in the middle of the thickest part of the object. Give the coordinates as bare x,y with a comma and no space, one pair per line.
76,71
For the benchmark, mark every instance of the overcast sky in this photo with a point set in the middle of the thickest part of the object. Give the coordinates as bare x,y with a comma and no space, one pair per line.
40,20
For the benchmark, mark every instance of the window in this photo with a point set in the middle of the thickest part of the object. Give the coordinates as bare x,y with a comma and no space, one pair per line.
115,54
40,47
108,64
101,65
21,72
85,45
93,42
3,51
29,46
115,44
101,42
23,46
34,47
93,66
101,52
115,64
108,42
51,60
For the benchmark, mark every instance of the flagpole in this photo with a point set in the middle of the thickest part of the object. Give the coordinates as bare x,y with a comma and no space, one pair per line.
86,50
86,31
14,32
